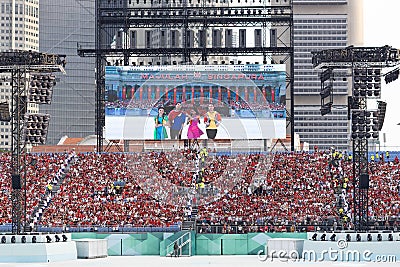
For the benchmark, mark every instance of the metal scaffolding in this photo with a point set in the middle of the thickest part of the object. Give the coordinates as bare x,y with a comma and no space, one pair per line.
363,62
118,19
19,64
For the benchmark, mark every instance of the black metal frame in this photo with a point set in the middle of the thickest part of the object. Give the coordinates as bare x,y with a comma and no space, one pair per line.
111,16
19,64
360,58
360,166
326,85
18,105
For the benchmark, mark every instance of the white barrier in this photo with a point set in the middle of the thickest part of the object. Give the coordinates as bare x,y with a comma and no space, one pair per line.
38,252
287,245
34,238
338,246
91,248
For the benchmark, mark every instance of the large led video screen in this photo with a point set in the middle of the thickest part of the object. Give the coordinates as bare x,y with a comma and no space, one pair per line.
195,102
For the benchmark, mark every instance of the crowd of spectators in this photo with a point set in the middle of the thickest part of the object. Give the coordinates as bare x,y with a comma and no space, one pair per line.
245,190
87,196
241,104
5,185
41,170
131,104
188,105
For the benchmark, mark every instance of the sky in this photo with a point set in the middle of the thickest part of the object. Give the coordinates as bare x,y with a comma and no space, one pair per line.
381,21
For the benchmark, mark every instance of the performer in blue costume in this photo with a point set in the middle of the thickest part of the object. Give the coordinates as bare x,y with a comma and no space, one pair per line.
160,132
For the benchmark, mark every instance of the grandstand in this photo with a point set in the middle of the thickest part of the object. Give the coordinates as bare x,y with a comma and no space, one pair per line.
112,192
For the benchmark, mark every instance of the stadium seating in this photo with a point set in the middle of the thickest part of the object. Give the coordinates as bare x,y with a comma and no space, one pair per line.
272,192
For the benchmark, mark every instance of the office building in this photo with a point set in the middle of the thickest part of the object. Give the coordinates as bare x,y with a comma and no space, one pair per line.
19,30
318,25
63,25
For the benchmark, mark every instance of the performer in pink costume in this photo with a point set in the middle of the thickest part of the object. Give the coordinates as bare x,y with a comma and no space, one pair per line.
194,132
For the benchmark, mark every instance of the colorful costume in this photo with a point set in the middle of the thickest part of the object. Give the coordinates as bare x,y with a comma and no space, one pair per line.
160,133
194,132
177,118
212,119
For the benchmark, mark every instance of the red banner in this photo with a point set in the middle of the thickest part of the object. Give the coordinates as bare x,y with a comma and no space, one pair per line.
174,96
264,93
237,93
124,93
272,95
148,93
158,93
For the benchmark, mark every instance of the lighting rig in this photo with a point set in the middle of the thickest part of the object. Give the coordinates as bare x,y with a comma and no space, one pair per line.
41,88
25,128
366,64
119,24
326,91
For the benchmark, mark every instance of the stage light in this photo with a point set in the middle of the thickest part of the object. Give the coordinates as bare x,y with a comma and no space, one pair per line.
64,238
381,113
358,237
379,237
41,88
333,237
34,239
326,92
326,109
36,128
369,237
392,76
3,239
48,239
364,124
23,239
13,239
57,238
326,75
314,237
323,237
390,237
348,237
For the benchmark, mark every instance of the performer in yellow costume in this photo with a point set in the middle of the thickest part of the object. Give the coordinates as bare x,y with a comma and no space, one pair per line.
212,119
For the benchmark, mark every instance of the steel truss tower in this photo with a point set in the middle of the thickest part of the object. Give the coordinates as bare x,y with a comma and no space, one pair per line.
365,64
19,64
118,18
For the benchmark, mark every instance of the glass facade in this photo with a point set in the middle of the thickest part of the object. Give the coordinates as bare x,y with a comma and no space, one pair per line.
64,24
